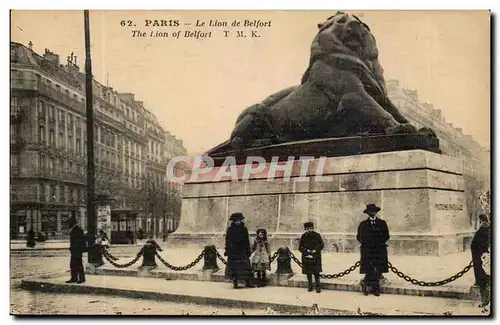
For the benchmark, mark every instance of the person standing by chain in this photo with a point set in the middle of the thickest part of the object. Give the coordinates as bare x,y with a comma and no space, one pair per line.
479,246
311,244
373,235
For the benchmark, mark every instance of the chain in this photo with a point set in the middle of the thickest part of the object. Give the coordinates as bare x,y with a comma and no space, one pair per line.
295,259
329,276
181,268
111,259
222,259
431,284
273,257
341,274
109,255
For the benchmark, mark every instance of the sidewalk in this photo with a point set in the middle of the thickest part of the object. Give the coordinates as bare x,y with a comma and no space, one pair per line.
272,299
426,268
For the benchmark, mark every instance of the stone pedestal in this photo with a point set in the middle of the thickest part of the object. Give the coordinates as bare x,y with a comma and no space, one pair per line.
421,195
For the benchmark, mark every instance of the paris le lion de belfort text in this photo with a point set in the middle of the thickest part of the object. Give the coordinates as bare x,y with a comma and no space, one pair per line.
197,29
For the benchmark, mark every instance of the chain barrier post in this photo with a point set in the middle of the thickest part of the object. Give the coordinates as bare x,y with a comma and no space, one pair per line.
284,268
95,252
148,255
210,258
284,261
209,263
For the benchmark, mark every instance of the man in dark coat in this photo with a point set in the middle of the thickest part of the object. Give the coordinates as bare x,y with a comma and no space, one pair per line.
481,244
77,247
238,252
311,244
373,235
30,239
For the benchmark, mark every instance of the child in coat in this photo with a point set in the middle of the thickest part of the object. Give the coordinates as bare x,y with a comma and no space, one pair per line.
311,245
261,258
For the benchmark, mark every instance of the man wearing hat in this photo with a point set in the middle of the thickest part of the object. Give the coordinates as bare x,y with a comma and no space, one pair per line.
373,235
77,246
311,245
238,252
481,244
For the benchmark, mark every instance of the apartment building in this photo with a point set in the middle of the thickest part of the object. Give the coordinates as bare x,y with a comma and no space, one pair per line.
49,143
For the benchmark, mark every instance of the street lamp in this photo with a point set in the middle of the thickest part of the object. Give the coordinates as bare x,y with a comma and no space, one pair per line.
91,220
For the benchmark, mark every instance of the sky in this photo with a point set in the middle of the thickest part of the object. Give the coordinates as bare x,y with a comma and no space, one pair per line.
198,87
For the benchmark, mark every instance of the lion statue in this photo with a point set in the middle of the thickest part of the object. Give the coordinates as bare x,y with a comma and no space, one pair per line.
342,93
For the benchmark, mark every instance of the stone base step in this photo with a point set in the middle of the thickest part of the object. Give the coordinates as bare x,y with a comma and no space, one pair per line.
292,280
270,299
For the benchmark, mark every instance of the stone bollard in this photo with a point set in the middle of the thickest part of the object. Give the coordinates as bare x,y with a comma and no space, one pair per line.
284,269
210,258
210,263
94,251
284,261
148,254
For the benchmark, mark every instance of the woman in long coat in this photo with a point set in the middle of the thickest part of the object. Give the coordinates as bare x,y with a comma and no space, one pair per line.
373,234
238,252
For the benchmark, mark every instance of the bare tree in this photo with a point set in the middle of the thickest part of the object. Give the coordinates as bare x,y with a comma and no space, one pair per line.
158,201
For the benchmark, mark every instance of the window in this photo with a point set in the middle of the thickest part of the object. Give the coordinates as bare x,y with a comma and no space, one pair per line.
56,193
41,109
74,195
42,192
66,194
52,138
53,193
61,139
61,165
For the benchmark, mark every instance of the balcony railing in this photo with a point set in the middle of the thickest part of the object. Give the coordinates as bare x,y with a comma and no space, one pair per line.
64,176
30,84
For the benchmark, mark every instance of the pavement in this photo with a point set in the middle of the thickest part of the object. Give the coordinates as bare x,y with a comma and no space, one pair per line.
272,299
426,268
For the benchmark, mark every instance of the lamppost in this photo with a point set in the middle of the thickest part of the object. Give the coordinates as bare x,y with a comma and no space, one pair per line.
91,220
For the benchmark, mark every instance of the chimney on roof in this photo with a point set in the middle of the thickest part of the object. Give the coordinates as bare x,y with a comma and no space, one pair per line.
51,57
30,46
413,95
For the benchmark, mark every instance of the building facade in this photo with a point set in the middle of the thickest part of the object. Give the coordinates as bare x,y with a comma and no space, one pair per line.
49,144
453,142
